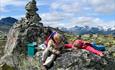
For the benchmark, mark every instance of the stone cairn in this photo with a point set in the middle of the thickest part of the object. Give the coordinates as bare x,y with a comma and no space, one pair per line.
28,29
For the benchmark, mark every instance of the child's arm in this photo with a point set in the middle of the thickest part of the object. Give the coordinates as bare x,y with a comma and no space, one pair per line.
49,43
68,45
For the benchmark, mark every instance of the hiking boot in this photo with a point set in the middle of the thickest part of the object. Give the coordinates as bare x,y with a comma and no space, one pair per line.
43,67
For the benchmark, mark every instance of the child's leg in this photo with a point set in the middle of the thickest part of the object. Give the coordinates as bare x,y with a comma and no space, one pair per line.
49,60
45,54
91,49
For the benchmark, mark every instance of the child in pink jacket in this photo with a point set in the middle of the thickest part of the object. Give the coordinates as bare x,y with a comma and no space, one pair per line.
80,44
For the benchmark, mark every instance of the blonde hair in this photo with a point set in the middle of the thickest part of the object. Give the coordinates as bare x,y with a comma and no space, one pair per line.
57,37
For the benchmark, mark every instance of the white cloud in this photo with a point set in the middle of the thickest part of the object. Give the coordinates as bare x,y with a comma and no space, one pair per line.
67,6
92,22
103,6
16,3
70,10
82,20
55,19
16,16
77,6
50,17
74,7
106,8
53,24
55,16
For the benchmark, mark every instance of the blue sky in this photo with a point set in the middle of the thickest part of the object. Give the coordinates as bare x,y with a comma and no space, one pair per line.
65,13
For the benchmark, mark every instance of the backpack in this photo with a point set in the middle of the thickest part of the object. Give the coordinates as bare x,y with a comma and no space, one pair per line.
52,37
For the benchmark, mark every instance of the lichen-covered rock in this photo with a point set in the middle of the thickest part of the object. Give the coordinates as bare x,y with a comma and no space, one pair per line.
83,60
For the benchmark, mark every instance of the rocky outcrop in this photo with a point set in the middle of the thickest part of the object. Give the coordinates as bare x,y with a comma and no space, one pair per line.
83,60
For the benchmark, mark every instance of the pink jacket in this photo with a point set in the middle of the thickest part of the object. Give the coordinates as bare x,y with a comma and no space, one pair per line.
86,46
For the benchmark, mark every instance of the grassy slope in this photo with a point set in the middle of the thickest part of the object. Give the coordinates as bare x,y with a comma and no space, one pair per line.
4,28
108,41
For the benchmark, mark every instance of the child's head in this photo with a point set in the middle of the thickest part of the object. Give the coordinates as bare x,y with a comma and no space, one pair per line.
78,43
57,37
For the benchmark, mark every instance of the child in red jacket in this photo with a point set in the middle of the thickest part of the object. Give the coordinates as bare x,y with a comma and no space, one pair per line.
80,44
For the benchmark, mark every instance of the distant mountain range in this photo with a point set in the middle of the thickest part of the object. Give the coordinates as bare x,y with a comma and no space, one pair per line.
6,23
90,30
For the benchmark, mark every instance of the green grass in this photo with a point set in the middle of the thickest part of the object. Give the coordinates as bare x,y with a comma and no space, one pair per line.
2,42
107,41
2,45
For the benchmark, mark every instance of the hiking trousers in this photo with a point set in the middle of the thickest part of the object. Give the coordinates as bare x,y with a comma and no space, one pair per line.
48,57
